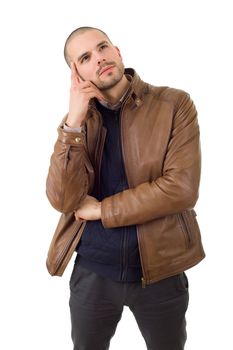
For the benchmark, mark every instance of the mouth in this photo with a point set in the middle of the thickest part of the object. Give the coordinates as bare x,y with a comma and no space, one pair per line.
106,69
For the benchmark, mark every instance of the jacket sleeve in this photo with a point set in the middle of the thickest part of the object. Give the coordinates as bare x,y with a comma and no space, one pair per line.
71,174
176,190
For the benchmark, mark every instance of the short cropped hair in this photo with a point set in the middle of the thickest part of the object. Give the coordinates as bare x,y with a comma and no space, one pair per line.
75,32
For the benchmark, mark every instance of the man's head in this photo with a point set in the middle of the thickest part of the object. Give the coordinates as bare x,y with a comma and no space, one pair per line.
95,57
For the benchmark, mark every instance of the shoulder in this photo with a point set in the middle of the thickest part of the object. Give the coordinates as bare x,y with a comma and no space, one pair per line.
167,94
170,95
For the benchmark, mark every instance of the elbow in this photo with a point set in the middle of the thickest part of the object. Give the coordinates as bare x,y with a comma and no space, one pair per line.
58,198
66,203
55,202
59,206
189,199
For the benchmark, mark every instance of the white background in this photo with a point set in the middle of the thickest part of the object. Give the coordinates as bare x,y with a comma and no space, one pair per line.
183,44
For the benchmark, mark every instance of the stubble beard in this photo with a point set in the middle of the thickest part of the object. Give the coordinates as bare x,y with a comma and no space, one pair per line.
115,79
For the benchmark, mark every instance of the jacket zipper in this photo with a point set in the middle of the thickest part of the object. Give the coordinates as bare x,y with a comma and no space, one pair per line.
124,245
124,255
100,146
124,238
103,137
143,278
143,282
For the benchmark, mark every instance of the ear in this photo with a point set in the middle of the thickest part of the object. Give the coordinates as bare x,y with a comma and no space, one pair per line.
119,53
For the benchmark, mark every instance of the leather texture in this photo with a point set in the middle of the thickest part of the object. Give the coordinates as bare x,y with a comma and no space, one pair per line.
161,152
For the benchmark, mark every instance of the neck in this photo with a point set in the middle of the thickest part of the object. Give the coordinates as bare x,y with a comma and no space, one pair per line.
114,94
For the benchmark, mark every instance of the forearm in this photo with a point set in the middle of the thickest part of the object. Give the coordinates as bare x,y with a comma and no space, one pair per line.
148,201
70,173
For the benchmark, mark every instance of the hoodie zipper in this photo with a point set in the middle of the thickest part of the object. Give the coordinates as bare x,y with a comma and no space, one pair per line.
124,243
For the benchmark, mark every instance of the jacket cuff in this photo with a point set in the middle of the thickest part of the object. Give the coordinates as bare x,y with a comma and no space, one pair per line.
69,129
107,217
71,136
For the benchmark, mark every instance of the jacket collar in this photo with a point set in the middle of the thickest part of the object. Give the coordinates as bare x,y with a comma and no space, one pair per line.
136,89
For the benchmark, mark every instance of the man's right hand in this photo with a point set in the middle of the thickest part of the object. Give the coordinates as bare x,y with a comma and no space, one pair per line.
80,94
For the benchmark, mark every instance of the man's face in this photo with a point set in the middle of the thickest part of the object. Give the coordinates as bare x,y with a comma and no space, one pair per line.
96,59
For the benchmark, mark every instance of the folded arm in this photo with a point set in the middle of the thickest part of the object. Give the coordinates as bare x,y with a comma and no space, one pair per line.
176,190
70,169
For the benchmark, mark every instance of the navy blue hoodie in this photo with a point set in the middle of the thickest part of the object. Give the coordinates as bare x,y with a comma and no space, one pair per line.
111,252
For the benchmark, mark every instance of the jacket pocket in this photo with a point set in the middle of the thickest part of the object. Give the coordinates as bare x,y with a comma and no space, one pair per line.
186,224
64,243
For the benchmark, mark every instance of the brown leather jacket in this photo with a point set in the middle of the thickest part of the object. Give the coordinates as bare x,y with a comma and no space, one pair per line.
161,152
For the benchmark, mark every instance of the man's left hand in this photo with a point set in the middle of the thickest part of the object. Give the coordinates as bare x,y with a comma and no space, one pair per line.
89,209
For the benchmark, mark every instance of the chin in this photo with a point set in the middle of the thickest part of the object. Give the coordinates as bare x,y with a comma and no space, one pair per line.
105,85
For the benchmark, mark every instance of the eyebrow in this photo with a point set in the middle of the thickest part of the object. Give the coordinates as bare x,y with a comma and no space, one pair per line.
97,46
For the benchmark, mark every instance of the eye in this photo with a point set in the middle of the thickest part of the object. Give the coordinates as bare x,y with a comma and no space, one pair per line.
103,46
85,58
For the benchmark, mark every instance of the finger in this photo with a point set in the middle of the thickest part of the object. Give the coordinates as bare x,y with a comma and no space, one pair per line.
88,84
80,79
73,68
77,217
74,76
88,87
99,93
91,94
85,84
80,87
76,72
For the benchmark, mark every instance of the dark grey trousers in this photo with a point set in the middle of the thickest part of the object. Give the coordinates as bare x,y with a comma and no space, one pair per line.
96,306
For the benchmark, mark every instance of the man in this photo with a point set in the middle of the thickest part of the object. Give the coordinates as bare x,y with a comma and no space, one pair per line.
125,170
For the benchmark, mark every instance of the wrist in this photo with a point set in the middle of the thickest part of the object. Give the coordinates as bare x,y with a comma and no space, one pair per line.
72,125
74,121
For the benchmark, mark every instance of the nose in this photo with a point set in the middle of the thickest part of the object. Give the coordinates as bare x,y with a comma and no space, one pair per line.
99,57
101,60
